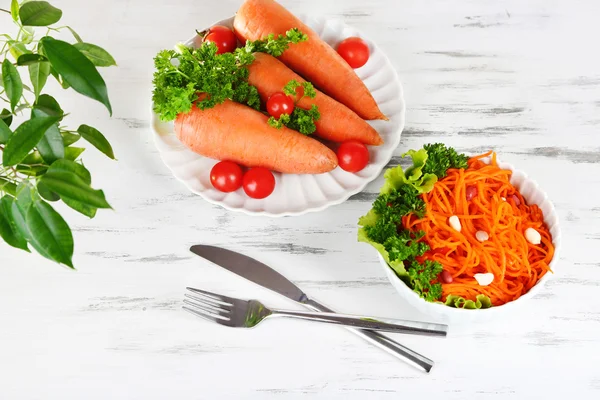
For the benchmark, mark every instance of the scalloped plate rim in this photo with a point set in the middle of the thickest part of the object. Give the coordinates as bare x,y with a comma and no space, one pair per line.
329,203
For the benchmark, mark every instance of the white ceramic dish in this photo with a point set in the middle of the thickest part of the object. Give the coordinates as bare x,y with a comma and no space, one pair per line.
439,312
299,194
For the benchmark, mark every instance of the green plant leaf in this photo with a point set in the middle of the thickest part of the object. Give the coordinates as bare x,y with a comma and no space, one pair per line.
49,106
32,158
14,10
69,138
7,186
75,35
39,13
80,207
12,83
32,170
30,58
62,83
97,139
24,139
8,228
38,73
27,35
47,193
50,233
71,166
5,132
6,116
96,54
72,153
19,209
17,49
51,145
69,185
76,70
84,174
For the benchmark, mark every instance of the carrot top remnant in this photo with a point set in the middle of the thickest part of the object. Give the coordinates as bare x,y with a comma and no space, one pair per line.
183,73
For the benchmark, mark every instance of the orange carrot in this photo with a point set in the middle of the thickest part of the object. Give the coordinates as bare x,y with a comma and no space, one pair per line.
517,265
232,131
314,59
337,123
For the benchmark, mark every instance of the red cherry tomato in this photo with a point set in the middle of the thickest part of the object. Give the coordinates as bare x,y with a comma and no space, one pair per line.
226,176
355,51
280,103
353,156
259,183
223,37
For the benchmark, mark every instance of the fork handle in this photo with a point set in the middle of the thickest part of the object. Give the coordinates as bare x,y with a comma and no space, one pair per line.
383,342
390,325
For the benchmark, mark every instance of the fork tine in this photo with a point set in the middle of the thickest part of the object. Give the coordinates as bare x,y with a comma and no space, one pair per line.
215,297
208,300
207,303
207,317
205,310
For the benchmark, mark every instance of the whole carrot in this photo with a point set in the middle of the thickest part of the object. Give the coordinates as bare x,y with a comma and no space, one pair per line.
337,123
232,131
314,59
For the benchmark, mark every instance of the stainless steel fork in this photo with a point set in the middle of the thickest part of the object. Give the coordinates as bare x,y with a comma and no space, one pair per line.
238,313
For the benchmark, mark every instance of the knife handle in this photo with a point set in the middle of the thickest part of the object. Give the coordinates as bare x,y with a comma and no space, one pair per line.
394,348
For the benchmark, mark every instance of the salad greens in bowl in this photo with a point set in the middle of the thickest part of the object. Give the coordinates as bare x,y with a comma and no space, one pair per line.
462,238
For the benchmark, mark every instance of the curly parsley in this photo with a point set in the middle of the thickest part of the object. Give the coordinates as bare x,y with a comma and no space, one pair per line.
424,279
301,120
401,195
441,158
400,243
183,73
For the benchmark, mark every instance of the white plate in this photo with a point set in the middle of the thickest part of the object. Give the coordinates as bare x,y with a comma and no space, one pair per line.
299,194
532,193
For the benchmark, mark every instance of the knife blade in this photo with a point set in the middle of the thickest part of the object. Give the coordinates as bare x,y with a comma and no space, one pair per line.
265,276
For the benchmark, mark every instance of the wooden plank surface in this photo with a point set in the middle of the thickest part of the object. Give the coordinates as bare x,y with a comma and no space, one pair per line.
520,77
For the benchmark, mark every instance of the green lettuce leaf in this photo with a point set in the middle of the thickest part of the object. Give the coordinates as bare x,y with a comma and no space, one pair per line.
394,178
481,301
396,265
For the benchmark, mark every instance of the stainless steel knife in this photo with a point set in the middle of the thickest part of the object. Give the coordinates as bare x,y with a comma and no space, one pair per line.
265,276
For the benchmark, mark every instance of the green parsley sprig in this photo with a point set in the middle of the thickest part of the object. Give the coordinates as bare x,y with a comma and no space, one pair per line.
301,120
401,195
441,158
424,279
185,76
400,243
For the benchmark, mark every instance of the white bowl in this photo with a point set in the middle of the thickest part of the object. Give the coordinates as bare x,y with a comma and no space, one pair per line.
440,312
299,194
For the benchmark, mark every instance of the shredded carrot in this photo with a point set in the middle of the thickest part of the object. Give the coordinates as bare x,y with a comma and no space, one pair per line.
517,265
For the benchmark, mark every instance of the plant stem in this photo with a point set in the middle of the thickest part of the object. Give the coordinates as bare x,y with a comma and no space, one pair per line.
6,11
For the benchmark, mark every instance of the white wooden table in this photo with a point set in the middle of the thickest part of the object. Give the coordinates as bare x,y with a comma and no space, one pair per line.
521,77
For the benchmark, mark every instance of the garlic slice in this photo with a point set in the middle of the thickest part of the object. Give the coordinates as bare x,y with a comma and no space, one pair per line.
482,236
533,236
484,279
454,223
